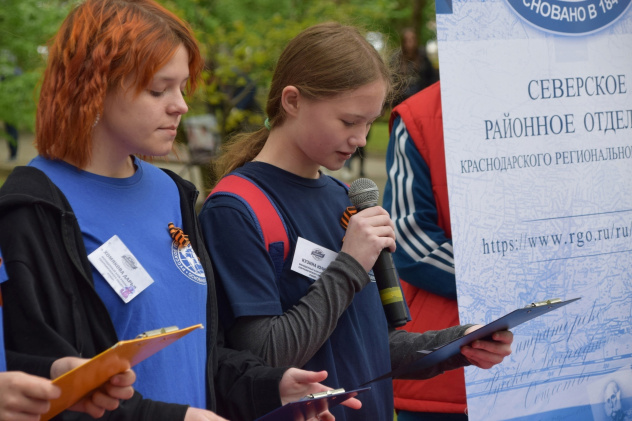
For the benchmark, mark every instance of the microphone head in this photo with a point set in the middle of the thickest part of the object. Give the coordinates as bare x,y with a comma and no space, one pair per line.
363,193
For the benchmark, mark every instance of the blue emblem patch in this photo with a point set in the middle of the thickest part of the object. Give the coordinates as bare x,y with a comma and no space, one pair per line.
187,261
569,17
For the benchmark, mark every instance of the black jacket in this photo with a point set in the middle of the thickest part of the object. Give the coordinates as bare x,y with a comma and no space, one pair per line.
51,309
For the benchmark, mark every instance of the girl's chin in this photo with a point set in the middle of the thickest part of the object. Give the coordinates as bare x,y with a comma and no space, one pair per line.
163,150
333,167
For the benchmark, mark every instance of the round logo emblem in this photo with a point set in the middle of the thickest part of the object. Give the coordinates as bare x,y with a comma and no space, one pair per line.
129,261
318,254
187,261
570,17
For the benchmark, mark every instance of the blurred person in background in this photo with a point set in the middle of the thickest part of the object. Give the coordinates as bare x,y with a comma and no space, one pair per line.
413,69
416,196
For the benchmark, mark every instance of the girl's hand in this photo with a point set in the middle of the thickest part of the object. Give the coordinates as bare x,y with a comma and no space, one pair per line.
105,398
486,354
25,397
369,232
297,383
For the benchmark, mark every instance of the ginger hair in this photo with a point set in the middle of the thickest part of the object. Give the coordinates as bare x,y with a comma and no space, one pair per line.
101,45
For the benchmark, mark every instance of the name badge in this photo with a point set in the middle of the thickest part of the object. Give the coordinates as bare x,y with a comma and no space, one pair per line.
116,263
310,259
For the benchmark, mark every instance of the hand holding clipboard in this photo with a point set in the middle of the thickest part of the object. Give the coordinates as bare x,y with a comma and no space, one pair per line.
84,379
311,406
428,358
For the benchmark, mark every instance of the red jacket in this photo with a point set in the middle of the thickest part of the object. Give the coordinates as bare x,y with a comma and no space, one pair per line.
445,393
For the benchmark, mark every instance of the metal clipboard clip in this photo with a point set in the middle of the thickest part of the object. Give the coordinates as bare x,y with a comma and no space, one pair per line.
156,332
323,394
545,303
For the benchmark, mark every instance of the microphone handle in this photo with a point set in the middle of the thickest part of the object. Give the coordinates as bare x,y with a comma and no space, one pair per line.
390,290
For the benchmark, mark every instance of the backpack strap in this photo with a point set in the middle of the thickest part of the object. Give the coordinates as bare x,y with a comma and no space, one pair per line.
264,212
269,223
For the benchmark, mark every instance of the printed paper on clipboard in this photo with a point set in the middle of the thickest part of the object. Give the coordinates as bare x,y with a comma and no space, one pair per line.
311,406
435,356
79,382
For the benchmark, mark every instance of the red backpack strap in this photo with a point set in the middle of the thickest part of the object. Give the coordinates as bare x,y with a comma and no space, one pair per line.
260,205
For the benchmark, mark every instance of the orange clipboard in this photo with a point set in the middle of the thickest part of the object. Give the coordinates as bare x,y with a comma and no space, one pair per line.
80,381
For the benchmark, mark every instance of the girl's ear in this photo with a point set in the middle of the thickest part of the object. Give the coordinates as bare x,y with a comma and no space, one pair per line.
290,98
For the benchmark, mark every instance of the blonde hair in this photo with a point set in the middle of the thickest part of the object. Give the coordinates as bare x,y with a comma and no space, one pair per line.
323,61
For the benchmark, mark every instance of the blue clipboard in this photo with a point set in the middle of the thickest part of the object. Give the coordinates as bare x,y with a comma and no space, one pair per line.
311,405
428,358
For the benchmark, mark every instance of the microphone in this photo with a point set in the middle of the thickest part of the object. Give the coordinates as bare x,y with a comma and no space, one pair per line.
364,193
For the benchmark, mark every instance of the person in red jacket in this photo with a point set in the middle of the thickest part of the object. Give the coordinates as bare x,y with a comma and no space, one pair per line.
416,196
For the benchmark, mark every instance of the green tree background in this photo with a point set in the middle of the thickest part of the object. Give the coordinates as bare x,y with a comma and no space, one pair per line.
249,35
25,27
237,37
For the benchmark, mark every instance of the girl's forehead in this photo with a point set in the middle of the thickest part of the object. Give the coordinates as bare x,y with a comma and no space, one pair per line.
364,102
375,90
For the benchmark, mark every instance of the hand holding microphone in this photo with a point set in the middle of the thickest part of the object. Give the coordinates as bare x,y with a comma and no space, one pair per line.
364,194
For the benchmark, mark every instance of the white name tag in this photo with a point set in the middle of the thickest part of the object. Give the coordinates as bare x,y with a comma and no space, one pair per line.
310,259
116,263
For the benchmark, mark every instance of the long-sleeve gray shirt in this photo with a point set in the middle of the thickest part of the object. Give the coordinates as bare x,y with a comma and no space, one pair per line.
295,336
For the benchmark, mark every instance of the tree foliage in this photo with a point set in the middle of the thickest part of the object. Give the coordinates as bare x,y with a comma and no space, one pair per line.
246,37
25,27
239,39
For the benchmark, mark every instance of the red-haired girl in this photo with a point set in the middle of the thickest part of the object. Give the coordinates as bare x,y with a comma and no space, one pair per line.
85,226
